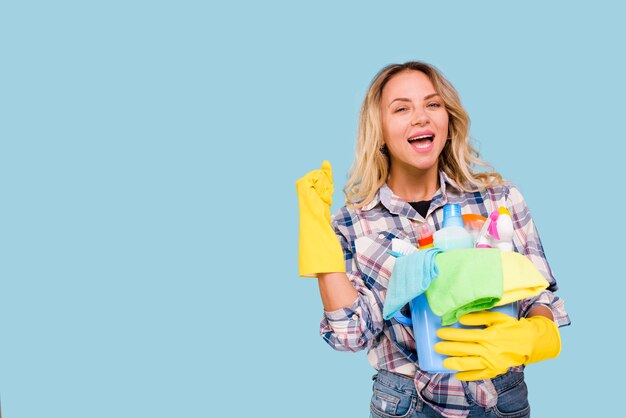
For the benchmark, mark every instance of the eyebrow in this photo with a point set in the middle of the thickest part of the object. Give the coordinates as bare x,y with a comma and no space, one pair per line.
404,99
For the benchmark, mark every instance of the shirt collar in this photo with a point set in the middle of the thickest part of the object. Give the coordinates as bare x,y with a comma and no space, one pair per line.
396,205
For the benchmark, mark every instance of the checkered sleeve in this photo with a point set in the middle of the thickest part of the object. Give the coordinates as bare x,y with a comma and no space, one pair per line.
526,241
353,328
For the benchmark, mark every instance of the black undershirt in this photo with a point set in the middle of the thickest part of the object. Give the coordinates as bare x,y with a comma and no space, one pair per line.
421,207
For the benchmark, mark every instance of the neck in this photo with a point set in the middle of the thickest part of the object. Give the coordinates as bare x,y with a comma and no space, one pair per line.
414,186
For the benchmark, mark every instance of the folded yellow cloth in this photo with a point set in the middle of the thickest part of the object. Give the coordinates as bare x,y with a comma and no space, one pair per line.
521,279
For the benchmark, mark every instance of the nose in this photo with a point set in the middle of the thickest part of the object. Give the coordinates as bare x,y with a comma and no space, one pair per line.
419,118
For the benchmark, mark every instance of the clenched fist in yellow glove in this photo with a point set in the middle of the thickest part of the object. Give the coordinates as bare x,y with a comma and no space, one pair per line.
320,251
504,342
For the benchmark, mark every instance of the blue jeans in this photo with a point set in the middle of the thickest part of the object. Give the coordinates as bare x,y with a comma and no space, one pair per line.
394,395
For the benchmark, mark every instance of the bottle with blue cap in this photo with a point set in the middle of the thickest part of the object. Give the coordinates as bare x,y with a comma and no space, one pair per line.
452,235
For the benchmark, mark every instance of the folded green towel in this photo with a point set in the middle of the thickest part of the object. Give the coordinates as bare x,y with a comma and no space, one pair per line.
469,280
411,276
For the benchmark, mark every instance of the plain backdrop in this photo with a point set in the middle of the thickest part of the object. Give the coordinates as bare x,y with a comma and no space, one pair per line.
148,215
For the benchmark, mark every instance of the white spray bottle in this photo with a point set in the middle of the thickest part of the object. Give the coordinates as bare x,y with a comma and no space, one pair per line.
498,231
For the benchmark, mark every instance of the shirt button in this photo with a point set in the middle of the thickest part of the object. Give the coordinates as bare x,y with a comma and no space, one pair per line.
381,236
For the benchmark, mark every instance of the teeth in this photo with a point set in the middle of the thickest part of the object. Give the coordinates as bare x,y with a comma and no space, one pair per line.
417,138
422,145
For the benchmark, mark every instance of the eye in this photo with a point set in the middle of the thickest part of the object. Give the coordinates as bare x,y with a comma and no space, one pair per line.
434,105
401,109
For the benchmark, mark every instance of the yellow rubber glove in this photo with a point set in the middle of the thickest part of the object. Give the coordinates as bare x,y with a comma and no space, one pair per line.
320,251
504,342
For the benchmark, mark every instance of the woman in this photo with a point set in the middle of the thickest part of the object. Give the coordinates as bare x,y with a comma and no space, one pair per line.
413,156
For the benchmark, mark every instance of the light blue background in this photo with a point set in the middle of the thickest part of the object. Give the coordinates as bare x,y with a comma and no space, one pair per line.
149,153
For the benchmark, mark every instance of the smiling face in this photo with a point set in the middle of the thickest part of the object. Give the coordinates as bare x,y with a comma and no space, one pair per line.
415,124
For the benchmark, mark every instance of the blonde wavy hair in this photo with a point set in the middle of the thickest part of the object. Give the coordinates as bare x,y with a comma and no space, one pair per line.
458,158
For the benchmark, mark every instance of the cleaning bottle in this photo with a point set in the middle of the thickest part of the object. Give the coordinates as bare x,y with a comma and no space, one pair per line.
505,231
474,224
452,235
425,237
498,231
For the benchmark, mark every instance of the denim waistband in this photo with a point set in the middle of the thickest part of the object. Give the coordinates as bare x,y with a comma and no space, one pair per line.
405,383
396,381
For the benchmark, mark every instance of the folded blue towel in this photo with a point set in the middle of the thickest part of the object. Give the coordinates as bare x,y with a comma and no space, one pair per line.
410,277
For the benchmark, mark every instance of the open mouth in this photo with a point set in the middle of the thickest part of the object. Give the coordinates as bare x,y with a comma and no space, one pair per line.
422,141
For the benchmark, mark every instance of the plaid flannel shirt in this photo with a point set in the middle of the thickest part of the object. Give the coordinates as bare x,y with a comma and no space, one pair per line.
366,235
